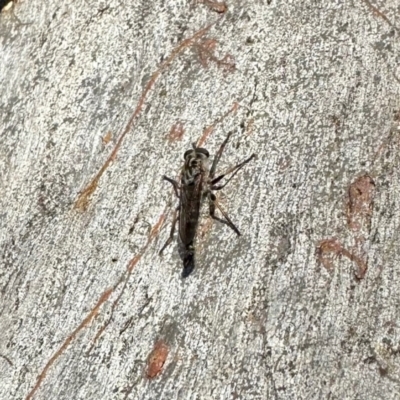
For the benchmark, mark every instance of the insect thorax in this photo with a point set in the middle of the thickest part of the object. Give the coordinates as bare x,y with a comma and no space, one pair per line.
195,164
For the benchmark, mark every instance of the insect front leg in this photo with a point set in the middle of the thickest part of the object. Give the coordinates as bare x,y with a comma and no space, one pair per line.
175,218
227,221
174,183
218,156
234,170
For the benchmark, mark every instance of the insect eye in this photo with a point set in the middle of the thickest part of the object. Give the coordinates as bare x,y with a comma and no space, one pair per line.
187,153
203,151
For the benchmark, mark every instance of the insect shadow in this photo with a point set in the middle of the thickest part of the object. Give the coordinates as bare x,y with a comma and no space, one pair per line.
197,182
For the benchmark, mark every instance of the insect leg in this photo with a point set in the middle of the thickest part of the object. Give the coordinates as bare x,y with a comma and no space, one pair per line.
218,155
174,183
171,234
234,169
227,220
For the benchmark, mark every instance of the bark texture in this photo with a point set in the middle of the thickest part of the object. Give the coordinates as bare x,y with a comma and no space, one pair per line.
99,99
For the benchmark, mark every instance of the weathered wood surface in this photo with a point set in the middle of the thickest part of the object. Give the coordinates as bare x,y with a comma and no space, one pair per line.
305,305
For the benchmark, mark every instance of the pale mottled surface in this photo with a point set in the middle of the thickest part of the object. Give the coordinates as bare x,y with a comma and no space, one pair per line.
260,318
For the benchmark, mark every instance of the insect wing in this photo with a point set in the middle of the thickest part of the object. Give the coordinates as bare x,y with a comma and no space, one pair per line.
190,209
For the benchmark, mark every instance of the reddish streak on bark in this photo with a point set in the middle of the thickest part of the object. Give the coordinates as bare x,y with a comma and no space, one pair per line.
207,132
83,199
129,268
104,297
377,12
176,133
157,359
360,203
132,263
156,228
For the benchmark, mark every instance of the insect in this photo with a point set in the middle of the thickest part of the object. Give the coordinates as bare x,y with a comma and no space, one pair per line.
197,182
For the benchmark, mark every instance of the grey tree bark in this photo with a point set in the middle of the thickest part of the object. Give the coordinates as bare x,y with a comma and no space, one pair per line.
100,99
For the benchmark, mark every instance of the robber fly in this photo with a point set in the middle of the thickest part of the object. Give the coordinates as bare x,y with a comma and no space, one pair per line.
197,182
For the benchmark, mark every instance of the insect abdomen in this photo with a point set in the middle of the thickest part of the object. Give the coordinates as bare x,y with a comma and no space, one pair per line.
188,260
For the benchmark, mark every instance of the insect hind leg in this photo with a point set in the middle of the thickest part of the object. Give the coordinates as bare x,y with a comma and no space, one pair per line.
171,233
218,155
227,221
234,170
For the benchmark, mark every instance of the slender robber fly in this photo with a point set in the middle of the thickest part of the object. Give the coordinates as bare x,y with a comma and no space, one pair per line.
197,182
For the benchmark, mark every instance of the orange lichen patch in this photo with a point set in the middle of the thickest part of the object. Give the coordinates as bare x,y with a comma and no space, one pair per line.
157,359
176,132
84,197
360,203
329,249
104,297
107,137
219,7
359,213
207,132
206,53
